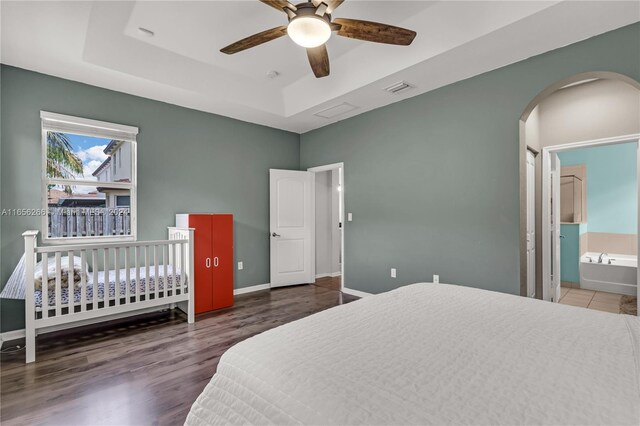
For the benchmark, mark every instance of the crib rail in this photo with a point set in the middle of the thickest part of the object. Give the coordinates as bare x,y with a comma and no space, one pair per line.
80,282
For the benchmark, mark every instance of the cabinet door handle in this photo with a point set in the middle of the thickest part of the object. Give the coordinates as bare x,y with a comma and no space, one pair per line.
215,261
207,262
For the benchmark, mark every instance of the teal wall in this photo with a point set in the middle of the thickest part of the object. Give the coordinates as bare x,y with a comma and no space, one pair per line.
612,195
612,198
433,181
188,161
570,251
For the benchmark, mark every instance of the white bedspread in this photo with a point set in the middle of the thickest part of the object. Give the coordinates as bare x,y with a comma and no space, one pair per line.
433,354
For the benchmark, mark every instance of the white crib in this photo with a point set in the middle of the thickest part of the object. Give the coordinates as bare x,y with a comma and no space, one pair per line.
121,278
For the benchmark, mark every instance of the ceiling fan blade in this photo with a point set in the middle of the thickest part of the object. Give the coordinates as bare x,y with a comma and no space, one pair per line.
374,31
319,60
332,4
255,40
281,5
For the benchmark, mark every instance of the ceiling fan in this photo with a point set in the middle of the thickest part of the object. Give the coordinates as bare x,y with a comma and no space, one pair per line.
310,25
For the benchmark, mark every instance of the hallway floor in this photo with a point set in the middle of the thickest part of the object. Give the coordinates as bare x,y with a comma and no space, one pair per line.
331,283
598,300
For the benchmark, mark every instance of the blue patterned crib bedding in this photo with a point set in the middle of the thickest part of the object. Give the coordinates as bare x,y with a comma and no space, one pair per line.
122,285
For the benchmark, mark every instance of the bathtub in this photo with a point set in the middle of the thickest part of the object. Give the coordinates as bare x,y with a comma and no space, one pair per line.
620,276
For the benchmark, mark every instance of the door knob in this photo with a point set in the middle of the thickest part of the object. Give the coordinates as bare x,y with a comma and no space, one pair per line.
275,235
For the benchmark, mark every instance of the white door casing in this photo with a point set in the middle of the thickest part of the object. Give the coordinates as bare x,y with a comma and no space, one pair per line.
555,228
531,223
340,168
291,218
551,226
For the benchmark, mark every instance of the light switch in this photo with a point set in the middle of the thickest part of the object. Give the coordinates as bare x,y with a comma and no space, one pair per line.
393,272
349,217
240,266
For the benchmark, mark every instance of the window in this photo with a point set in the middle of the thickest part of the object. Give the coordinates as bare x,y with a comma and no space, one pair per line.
85,197
123,200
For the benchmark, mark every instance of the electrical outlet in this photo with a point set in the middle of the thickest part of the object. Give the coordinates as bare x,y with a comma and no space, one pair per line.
436,279
393,272
240,266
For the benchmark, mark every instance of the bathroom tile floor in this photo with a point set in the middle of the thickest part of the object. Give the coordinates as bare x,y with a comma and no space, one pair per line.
598,300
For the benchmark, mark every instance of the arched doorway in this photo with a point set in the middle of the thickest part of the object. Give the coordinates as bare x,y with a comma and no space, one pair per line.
529,144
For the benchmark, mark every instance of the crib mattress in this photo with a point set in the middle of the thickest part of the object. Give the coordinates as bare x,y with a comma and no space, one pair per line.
110,284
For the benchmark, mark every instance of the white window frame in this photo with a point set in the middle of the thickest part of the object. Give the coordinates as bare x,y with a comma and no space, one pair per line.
82,126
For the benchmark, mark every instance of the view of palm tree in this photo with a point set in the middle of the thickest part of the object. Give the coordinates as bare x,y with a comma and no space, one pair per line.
61,160
82,203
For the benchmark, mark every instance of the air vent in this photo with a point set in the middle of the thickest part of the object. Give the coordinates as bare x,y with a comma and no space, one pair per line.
400,88
336,110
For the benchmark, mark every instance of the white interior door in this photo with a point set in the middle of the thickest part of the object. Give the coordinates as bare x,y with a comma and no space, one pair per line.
555,228
550,226
531,224
291,227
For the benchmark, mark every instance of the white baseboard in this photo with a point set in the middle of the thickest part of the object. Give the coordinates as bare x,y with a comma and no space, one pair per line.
609,287
329,274
19,334
251,289
11,335
356,292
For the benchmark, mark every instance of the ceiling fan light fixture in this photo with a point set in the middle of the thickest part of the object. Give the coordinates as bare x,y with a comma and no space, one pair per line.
309,31
310,26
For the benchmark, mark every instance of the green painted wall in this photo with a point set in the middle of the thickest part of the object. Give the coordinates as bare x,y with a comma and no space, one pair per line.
188,161
433,181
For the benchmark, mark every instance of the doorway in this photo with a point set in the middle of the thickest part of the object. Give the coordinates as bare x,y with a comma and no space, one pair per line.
606,266
329,226
583,107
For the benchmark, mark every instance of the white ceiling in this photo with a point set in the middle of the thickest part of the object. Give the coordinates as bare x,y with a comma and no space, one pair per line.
99,43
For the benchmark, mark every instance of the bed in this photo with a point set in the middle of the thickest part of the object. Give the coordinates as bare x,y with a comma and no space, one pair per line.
433,354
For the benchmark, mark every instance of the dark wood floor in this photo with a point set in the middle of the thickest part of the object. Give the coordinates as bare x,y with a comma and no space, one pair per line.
332,283
144,370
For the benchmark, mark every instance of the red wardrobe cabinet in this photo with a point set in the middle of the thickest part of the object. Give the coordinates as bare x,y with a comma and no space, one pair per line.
213,259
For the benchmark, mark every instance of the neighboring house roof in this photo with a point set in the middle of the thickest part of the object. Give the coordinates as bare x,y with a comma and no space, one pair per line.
107,189
82,202
58,197
102,166
111,146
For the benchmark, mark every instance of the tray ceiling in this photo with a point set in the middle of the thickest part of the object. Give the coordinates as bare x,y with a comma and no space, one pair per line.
100,43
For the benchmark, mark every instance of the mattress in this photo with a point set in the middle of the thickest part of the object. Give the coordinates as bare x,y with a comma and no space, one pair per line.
111,285
433,354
